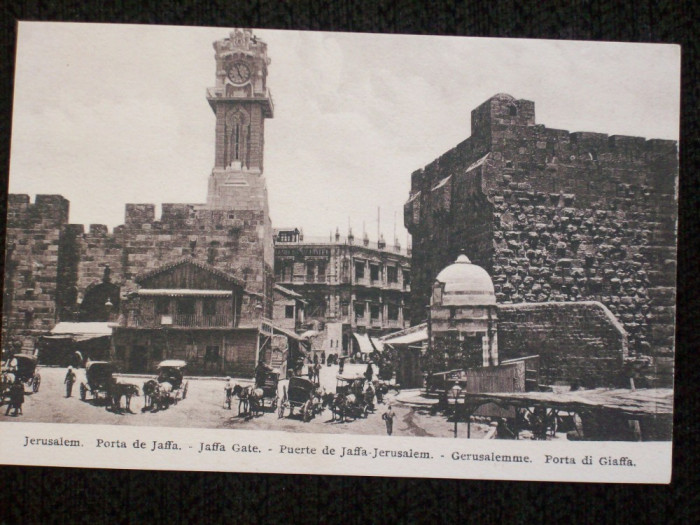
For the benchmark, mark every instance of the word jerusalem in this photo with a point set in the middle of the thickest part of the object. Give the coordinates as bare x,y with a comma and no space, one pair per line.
51,442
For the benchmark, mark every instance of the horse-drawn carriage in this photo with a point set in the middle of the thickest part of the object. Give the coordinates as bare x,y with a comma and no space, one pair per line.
302,394
22,367
168,388
268,381
99,377
102,385
350,397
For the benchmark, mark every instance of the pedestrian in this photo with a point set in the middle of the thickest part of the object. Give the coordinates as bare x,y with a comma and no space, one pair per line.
388,418
310,371
315,359
369,396
317,373
228,392
369,372
323,357
341,365
16,397
379,392
69,381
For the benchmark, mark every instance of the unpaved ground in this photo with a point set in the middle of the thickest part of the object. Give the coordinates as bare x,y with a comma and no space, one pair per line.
203,408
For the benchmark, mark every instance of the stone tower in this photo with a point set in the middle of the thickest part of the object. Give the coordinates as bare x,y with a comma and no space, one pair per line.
241,102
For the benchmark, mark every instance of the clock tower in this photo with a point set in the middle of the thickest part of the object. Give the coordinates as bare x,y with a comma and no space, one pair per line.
241,102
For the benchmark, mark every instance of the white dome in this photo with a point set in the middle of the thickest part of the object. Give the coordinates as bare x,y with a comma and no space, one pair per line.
466,284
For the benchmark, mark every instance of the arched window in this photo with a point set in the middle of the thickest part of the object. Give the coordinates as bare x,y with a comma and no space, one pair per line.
512,110
238,135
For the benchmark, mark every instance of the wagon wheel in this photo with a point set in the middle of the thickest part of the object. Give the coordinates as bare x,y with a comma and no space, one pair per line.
83,392
306,412
184,390
36,383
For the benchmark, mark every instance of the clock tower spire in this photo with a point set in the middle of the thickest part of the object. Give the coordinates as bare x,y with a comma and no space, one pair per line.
241,102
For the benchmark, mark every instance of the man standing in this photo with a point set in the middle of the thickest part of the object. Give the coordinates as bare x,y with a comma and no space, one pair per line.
228,392
69,381
388,418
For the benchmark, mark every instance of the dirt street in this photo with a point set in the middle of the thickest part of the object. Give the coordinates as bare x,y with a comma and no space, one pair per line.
204,408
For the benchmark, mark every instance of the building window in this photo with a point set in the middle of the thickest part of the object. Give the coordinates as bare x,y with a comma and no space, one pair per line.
374,273
374,311
322,270
393,312
344,309
512,110
209,307
359,270
392,274
289,311
185,306
406,278
310,272
212,354
162,305
359,311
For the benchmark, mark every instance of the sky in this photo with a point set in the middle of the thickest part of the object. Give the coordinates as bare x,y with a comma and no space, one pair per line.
109,114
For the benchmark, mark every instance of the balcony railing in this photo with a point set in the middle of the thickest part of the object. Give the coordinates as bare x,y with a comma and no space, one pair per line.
315,279
181,321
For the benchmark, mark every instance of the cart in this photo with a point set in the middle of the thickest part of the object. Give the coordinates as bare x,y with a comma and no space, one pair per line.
99,377
22,367
268,382
302,394
171,380
349,400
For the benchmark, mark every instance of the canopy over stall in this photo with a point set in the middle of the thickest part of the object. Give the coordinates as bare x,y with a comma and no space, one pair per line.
74,343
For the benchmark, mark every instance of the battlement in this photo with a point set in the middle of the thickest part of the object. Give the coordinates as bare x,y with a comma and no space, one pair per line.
505,127
47,211
136,215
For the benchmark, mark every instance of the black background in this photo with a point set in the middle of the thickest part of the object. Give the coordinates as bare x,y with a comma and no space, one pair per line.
32,495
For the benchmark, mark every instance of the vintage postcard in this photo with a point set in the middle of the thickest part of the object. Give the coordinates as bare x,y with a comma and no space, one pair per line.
249,250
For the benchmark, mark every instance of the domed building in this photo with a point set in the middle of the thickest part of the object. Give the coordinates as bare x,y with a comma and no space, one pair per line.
463,316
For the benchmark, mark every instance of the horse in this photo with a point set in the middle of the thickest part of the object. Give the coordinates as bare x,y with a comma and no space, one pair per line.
125,390
249,398
153,396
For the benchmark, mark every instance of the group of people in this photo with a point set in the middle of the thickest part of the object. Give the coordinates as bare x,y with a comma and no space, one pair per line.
314,372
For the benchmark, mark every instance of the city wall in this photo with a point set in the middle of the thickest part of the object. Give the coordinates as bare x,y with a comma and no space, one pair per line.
579,343
50,263
554,216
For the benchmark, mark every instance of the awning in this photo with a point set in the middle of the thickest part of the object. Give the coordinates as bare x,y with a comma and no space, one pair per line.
80,331
411,338
182,292
310,333
288,333
365,344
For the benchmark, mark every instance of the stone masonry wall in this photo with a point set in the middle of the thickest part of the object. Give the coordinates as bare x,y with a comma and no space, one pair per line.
50,263
577,342
31,264
554,216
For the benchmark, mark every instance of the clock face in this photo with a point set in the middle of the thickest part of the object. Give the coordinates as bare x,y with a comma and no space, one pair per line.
238,73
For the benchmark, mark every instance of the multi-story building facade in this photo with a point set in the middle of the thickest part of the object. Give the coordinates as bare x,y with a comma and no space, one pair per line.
360,285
